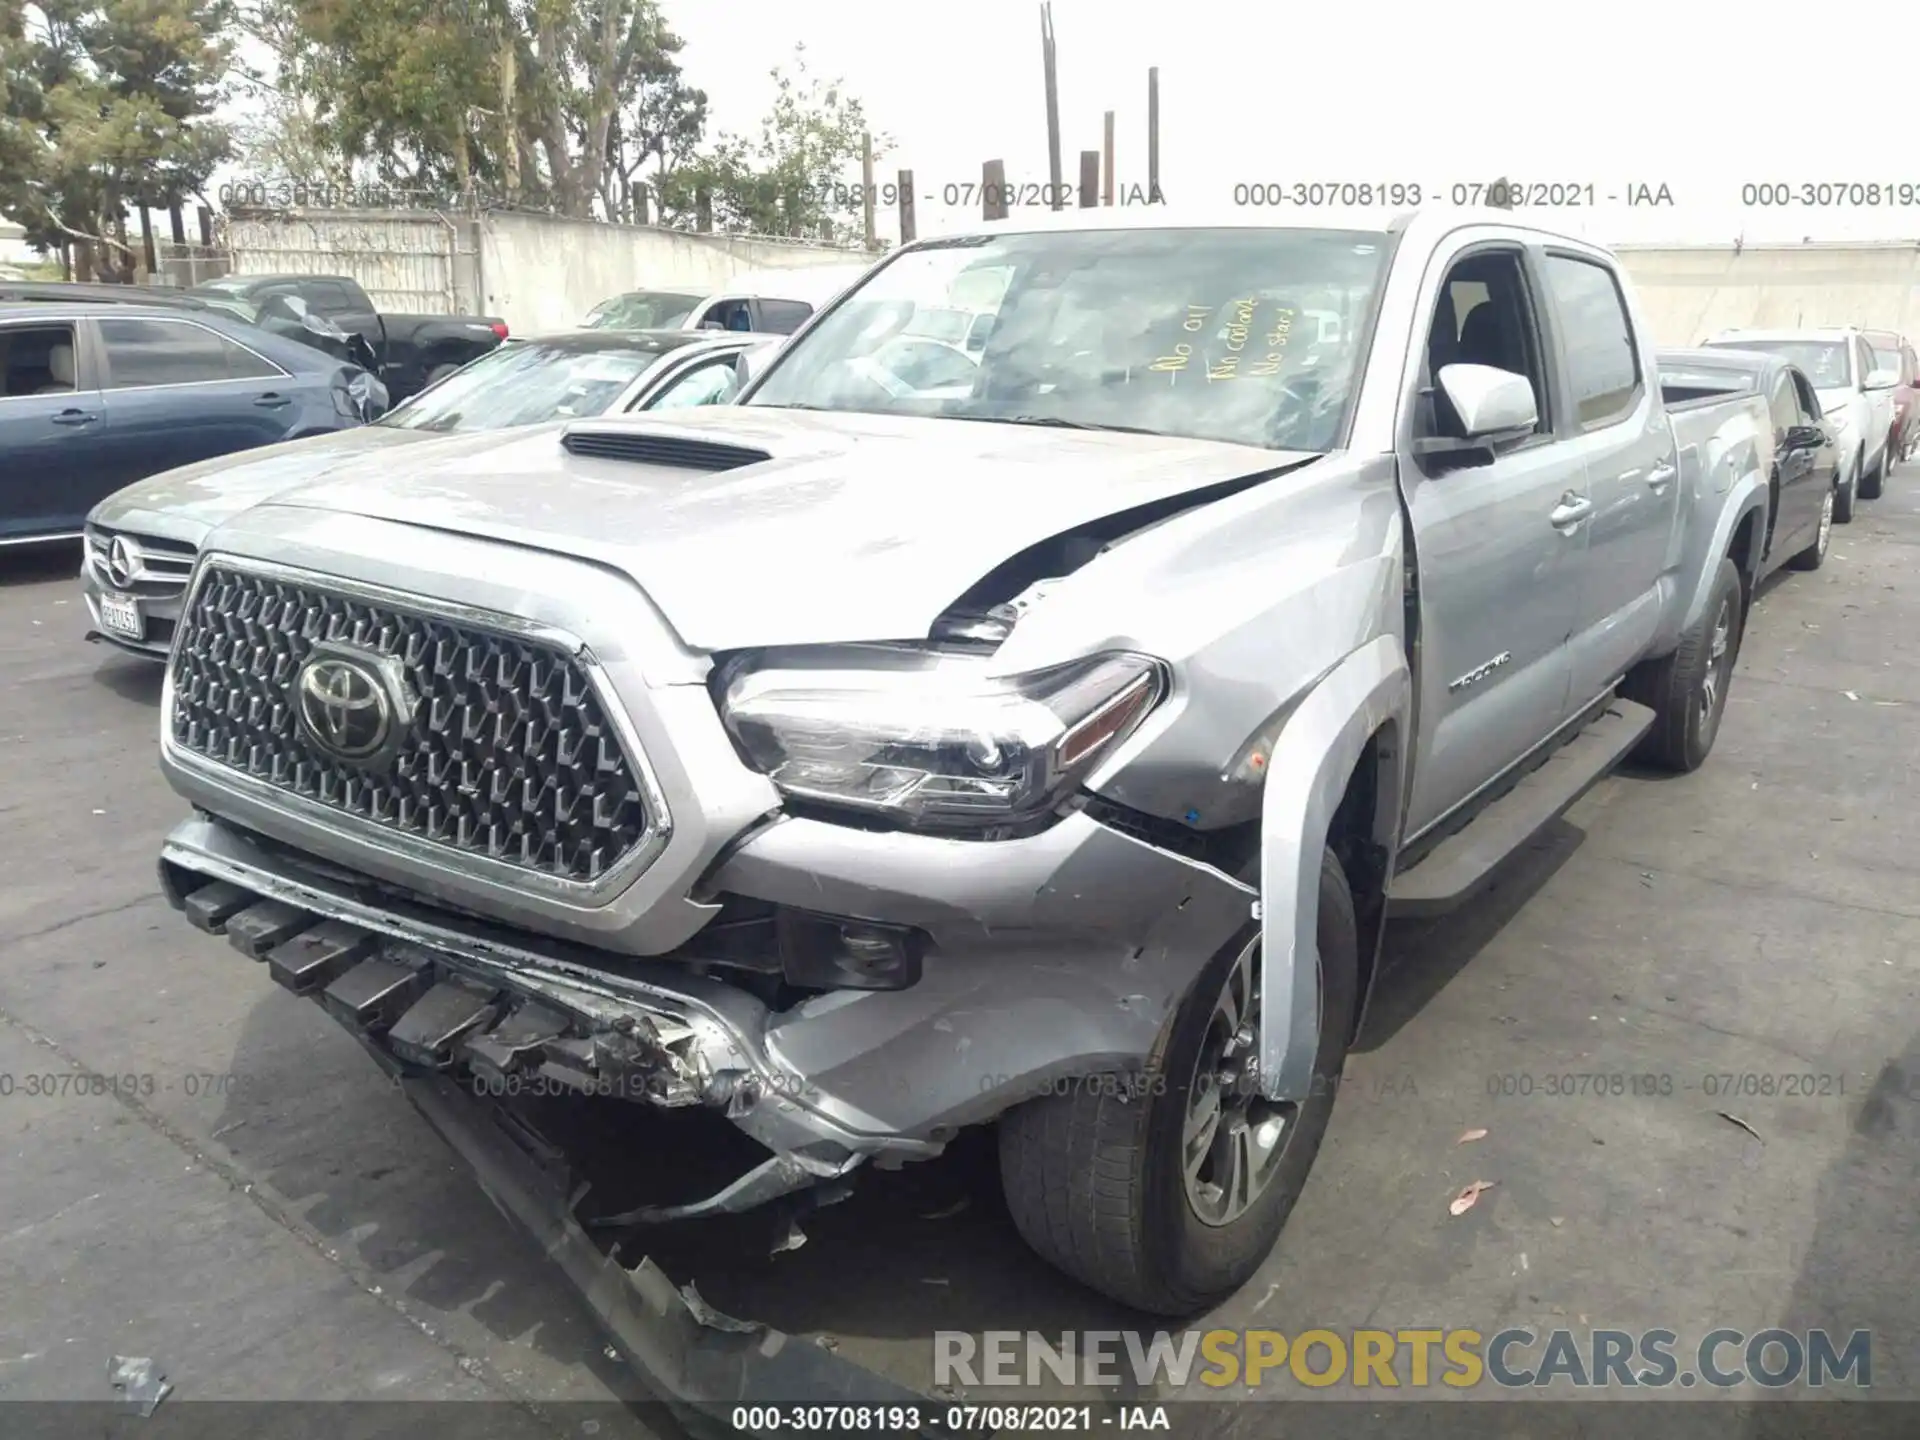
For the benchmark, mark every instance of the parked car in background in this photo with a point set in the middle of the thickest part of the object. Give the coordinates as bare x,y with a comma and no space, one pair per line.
1802,455
94,397
287,317
410,352
771,302
644,310
1855,397
856,767
142,541
1891,351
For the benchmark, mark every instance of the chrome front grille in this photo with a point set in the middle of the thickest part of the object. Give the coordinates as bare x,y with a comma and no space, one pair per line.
143,565
509,755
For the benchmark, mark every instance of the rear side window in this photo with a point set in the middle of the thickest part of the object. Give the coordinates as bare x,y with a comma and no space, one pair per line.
174,352
1603,363
36,360
783,317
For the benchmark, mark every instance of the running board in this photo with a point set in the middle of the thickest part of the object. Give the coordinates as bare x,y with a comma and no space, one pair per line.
1456,869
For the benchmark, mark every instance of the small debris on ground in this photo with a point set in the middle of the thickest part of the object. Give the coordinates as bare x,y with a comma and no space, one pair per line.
1736,1120
1468,1197
1850,695
1470,1136
935,1280
947,1212
141,1383
1556,1221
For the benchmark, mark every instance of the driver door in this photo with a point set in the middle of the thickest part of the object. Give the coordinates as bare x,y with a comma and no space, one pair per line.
1499,545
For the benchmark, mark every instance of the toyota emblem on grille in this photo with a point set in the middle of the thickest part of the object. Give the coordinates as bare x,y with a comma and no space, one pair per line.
123,559
352,706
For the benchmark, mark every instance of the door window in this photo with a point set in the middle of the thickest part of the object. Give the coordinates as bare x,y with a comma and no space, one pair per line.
330,297
1484,316
712,383
1809,401
37,360
174,352
1603,362
1785,405
783,317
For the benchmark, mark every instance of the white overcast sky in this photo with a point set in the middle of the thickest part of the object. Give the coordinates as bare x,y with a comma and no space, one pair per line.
1703,96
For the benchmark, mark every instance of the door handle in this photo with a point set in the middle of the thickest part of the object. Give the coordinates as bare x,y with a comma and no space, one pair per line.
1660,477
1571,510
272,400
74,417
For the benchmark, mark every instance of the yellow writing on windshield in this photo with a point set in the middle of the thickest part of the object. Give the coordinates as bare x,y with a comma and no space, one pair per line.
1276,344
1240,324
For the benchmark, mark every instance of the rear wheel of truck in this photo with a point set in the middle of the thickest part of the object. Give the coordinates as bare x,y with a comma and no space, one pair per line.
1688,689
1815,555
1168,1194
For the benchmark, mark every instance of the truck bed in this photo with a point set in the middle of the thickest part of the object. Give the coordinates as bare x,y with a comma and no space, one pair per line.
1716,432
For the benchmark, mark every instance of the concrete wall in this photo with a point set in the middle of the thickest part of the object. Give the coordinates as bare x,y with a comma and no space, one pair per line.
1691,292
540,273
536,272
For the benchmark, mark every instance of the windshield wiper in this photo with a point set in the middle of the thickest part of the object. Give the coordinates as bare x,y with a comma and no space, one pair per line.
1056,422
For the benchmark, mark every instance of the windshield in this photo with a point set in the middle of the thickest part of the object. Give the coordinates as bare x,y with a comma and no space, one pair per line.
643,310
1198,333
523,383
1825,361
232,305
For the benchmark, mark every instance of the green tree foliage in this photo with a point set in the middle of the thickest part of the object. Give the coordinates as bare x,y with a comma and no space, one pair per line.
796,178
544,102
107,104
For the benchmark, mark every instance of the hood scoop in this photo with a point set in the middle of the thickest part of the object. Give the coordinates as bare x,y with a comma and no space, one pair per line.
644,447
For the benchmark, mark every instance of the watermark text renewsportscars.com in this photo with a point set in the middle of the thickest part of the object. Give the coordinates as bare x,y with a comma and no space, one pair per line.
1415,1359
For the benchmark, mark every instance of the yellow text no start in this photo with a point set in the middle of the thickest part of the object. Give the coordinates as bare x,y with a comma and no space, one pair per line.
1411,1359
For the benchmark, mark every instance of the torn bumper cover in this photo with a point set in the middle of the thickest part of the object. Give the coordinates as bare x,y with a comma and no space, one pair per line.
434,1025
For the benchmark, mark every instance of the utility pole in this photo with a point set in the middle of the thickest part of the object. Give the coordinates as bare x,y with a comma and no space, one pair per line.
866,191
1153,135
1056,195
1089,179
1106,182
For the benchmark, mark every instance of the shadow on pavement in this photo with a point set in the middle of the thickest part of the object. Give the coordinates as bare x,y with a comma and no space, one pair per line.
1419,958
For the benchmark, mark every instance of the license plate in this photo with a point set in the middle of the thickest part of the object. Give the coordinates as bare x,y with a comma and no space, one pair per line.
121,614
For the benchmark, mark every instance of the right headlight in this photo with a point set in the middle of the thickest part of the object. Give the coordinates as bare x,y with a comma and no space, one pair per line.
930,740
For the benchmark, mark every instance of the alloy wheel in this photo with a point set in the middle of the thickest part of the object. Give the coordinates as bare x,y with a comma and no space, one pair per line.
1232,1136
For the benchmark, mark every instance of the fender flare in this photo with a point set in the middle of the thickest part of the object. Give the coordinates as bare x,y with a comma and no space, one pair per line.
1747,494
1306,777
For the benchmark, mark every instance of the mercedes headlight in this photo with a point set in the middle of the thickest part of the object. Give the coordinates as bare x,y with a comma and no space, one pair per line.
930,740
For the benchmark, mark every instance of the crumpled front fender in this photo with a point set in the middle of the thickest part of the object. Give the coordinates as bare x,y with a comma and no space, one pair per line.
1307,776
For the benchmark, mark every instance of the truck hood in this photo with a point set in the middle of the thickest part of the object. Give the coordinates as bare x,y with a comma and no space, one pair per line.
859,527
184,504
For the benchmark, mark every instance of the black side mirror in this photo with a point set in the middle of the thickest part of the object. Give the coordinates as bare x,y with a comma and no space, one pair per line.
1805,437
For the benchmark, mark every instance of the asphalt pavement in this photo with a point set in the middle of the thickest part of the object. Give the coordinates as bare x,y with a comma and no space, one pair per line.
250,1204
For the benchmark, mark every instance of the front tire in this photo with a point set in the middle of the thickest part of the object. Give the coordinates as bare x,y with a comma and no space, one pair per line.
1843,499
1873,481
1815,555
1688,689
1170,1201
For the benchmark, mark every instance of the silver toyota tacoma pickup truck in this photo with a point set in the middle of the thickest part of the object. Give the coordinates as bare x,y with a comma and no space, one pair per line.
1041,748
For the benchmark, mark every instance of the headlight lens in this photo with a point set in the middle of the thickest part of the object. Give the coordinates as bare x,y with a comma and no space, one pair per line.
930,740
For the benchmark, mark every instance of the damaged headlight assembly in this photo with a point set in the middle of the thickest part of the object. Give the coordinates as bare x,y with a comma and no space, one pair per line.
931,741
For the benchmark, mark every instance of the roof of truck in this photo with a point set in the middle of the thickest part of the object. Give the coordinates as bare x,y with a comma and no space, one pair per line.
1141,216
